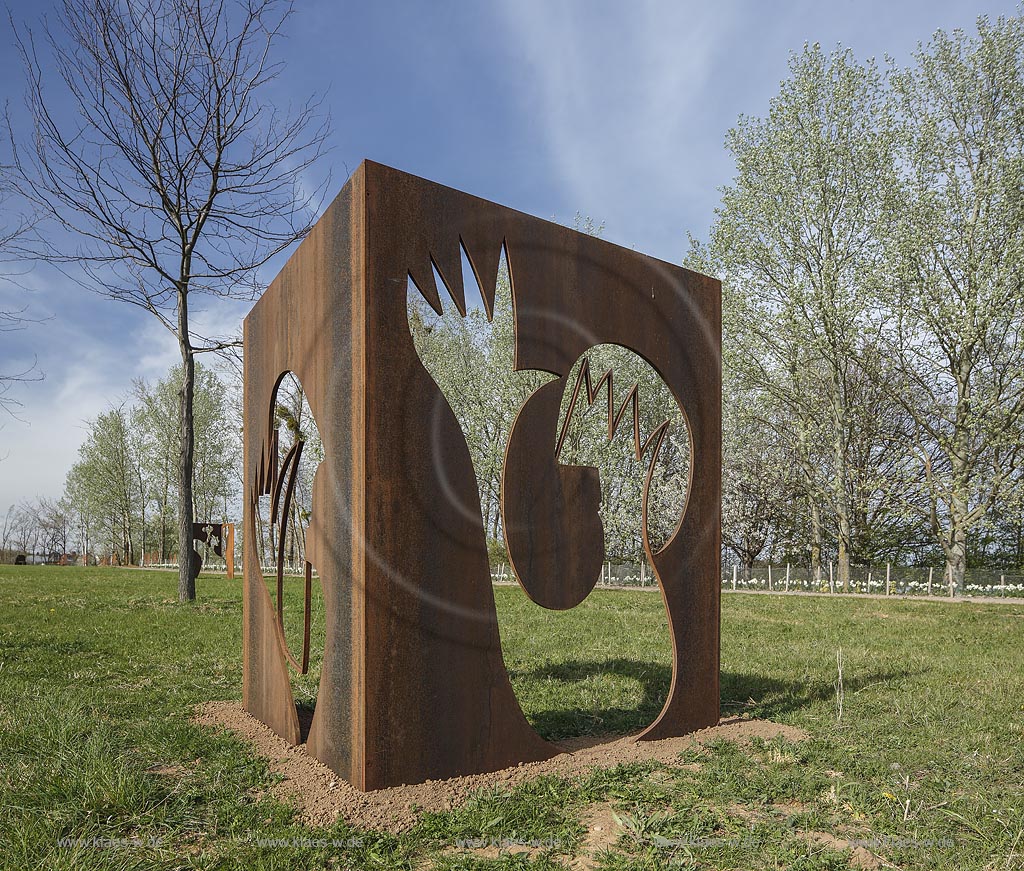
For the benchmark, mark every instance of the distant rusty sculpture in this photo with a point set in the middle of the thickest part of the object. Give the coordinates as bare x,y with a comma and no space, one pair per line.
222,536
413,684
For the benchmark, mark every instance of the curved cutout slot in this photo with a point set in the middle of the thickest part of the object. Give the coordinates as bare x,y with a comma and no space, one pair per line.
281,523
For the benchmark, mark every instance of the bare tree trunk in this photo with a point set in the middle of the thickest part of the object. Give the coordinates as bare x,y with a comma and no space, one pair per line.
186,583
1019,550
142,559
956,546
843,559
129,539
956,549
163,516
840,413
956,558
815,538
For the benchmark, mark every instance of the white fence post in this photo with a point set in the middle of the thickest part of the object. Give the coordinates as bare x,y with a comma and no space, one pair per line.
888,583
734,568
930,570
950,573
787,577
868,590
1002,585
831,579
769,577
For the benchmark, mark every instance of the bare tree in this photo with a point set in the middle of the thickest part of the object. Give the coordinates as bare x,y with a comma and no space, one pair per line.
13,318
10,320
6,532
178,177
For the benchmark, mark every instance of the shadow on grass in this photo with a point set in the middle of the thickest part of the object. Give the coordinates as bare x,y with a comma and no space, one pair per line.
761,696
755,695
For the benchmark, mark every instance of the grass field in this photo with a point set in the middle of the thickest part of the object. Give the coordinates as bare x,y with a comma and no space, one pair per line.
101,767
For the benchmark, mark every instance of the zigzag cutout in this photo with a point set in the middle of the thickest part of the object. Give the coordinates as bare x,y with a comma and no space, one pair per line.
614,418
448,266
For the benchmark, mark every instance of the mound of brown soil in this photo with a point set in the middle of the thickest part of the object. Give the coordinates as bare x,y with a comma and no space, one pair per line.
322,796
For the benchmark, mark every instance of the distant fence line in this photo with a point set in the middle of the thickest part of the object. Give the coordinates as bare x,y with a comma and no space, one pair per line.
883,580
218,565
612,575
891,580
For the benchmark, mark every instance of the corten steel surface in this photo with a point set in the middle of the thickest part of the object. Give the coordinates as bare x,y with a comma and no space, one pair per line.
413,684
229,549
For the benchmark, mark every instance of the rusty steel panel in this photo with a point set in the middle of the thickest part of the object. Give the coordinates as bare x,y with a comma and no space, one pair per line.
223,537
229,549
413,684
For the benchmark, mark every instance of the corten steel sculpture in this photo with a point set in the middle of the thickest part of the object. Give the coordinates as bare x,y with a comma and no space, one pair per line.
413,684
222,536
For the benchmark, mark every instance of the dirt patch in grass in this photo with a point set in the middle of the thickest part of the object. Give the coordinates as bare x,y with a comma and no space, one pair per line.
322,796
167,770
603,830
493,851
860,857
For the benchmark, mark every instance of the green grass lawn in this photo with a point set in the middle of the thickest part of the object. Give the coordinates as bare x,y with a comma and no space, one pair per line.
100,669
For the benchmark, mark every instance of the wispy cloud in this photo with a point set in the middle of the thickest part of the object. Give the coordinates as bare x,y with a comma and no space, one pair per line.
633,100
90,350
619,91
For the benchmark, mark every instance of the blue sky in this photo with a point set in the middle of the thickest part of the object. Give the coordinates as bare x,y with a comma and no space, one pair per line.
614,110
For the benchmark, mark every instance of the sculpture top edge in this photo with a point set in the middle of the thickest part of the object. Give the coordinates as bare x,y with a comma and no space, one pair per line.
368,166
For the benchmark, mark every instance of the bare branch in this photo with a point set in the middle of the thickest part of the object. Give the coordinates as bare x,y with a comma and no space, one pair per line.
177,177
